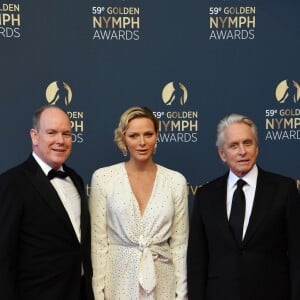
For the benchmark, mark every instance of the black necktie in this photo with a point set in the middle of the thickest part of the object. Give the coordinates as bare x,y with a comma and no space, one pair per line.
237,214
54,173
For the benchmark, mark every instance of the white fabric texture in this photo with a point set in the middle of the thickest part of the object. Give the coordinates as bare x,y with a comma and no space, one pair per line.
138,256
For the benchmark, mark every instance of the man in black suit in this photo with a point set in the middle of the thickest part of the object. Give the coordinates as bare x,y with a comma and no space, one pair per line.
44,221
244,245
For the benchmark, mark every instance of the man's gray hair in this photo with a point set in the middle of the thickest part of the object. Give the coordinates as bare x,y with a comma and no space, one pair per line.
230,119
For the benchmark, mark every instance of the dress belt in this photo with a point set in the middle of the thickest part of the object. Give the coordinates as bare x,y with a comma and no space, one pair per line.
148,253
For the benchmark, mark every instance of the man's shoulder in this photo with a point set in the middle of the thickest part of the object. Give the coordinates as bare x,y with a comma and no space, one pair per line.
274,177
213,186
277,181
16,175
216,182
16,170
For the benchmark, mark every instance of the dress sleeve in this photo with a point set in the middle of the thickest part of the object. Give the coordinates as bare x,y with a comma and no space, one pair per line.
179,237
99,243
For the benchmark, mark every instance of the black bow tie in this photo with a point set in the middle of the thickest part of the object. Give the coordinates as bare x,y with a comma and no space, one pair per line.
54,173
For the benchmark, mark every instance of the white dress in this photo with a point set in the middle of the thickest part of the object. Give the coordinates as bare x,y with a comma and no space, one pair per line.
138,256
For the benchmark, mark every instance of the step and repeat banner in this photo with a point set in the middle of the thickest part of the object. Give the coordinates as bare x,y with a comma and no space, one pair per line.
191,62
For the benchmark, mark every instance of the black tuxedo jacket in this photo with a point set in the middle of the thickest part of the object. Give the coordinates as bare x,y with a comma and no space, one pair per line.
267,264
40,255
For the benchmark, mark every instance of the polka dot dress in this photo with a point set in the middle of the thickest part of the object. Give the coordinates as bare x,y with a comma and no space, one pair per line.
138,256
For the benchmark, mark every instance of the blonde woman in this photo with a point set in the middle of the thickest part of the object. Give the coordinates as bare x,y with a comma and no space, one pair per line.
139,219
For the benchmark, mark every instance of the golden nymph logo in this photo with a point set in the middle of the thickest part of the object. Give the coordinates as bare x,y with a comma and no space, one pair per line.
174,92
175,124
60,94
116,23
288,91
10,20
283,120
58,91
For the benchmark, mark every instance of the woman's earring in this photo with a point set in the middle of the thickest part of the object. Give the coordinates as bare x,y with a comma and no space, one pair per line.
155,148
125,151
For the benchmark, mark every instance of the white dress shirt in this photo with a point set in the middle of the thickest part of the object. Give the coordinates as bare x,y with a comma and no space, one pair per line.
249,190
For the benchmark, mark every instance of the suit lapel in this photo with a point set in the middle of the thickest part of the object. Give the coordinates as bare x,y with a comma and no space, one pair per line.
47,192
262,203
83,204
220,208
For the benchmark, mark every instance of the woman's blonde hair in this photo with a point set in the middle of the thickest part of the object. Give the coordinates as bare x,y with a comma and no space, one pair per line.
128,115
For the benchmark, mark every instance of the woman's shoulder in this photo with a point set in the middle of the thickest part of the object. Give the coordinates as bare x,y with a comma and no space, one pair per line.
171,174
112,170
